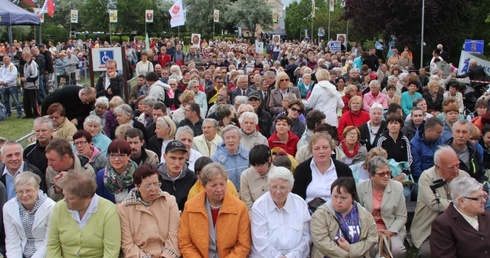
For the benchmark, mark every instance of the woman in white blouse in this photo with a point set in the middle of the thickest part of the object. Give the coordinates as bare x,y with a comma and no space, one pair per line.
280,220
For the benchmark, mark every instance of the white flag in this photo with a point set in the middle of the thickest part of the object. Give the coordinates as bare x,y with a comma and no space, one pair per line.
332,5
112,16
149,16
177,14
74,16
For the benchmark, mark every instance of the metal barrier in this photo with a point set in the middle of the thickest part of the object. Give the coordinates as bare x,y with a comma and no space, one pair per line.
24,138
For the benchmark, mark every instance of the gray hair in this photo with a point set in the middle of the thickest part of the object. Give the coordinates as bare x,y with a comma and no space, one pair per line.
211,120
375,163
92,119
463,186
125,110
248,114
102,101
182,130
241,99
443,149
463,122
374,106
149,101
281,173
230,128
172,78
243,106
192,83
241,77
210,171
289,96
375,83
11,143
43,120
27,178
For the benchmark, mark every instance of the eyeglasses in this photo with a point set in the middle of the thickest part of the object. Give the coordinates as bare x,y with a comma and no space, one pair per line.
276,188
151,186
352,134
80,142
284,80
296,110
28,191
384,174
478,199
119,156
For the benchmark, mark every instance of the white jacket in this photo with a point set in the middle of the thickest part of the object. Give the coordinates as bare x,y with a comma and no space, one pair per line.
15,237
157,90
327,99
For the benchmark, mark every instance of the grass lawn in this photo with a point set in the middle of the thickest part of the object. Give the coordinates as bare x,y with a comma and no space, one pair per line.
14,128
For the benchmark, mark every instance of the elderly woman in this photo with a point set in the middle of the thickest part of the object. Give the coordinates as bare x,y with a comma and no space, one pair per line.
164,133
242,109
124,115
185,98
280,220
461,230
231,154
222,220
342,227
185,135
355,116
198,186
63,128
372,129
110,119
318,172
116,180
325,97
240,100
82,140
199,96
283,86
101,108
250,136
383,198
305,85
253,181
350,151
208,141
157,236
83,224
374,96
360,169
26,218
434,98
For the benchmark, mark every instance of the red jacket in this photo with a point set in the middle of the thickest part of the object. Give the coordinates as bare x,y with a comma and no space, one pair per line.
163,59
289,146
349,118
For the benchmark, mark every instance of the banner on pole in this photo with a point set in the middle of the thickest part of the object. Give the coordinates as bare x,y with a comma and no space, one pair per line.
259,47
474,46
112,16
331,4
216,15
38,12
313,7
464,63
177,14
149,16
74,16
274,16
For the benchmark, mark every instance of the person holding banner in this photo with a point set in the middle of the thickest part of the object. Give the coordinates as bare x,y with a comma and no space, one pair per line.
476,73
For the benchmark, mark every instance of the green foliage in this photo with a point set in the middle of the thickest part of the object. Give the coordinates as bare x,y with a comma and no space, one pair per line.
249,13
115,39
200,15
82,37
54,33
124,38
140,38
187,40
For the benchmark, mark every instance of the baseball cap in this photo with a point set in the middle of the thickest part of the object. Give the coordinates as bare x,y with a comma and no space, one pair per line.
254,95
175,146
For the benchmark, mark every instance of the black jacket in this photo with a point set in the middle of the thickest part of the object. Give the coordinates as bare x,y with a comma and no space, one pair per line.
265,122
476,162
36,156
155,145
179,187
303,177
116,85
49,61
27,167
365,138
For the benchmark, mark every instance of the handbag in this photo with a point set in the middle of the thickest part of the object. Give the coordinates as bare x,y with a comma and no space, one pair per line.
397,168
384,247
315,203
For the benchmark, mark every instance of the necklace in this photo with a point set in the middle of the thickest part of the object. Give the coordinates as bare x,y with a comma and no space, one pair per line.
215,207
373,127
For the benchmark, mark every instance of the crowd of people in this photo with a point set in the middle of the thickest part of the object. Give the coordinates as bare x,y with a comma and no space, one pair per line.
222,151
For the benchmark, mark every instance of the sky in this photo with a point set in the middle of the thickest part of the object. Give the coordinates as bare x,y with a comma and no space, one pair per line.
287,2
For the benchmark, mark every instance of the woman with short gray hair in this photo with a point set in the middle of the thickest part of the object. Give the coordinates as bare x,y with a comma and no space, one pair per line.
185,135
26,218
208,141
383,198
93,125
249,134
124,115
288,212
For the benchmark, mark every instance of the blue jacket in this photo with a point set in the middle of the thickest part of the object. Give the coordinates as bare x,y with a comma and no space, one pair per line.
235,164
422,152
102,191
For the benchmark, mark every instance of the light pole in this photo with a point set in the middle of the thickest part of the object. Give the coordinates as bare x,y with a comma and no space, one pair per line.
422,37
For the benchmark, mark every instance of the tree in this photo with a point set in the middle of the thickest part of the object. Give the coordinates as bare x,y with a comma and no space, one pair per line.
249,13
88,12
200,15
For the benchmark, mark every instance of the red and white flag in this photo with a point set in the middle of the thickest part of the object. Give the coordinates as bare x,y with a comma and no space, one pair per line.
177,14
48,7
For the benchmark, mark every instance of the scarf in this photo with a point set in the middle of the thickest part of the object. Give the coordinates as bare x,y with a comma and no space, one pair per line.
346,150
117,183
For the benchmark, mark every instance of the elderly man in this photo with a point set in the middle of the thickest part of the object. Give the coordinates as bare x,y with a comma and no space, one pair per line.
8,80
250,135
62,160
462,230
139,154
13,164
475,72
434,196
77,101
177,178
71,60
208,142
231,154
242,89
35,153
110,83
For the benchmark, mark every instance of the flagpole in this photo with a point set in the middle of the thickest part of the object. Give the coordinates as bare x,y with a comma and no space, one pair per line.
422,37
328,25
